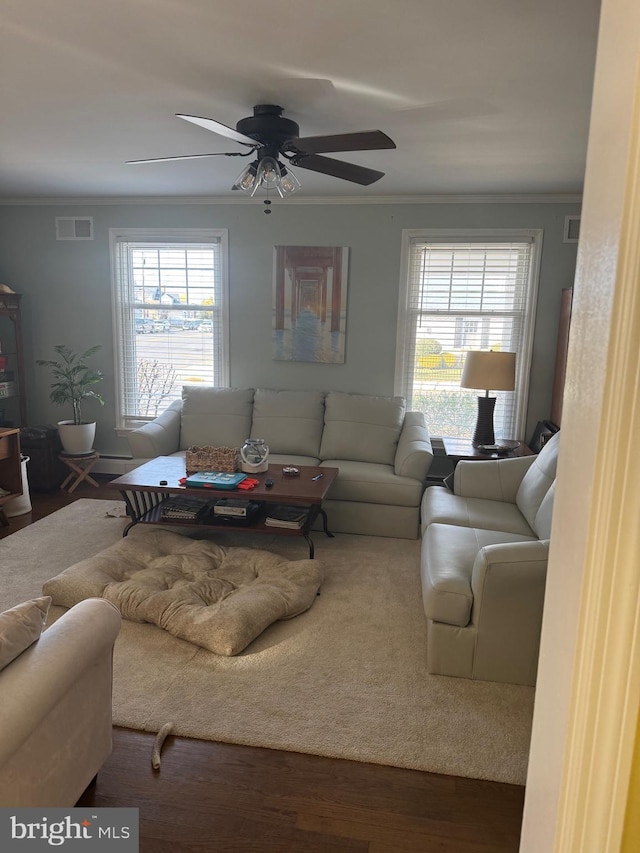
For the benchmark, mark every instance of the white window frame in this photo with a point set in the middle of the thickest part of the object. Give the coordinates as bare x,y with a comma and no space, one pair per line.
406,329
124,424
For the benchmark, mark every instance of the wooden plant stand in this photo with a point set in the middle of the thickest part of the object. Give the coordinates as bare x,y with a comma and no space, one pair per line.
80,466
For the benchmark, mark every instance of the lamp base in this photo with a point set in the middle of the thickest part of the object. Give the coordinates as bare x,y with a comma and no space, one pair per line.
484,425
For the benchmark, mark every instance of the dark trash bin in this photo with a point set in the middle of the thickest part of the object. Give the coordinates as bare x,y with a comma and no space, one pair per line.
42,445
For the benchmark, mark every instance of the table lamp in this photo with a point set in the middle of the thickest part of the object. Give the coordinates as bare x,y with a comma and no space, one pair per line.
488,370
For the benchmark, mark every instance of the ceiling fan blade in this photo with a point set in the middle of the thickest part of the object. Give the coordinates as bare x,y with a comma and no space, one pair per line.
365,140
188,157
222,129
337,169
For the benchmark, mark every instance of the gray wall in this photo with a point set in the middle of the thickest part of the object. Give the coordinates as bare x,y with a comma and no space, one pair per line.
67,299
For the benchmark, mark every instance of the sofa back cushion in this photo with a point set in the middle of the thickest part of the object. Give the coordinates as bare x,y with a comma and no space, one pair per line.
289,421
361,428
537,481
542,524
220,417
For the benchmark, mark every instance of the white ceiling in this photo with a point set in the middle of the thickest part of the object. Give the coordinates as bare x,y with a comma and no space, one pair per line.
480,96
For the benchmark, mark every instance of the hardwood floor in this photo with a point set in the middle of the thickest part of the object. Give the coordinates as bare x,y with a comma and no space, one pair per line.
223,797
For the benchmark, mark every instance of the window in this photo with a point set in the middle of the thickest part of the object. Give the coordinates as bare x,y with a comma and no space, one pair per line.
464,291
170,316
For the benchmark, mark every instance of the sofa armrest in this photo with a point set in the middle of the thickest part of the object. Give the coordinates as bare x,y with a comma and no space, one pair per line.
36,681
413,454
160,437
492,479
508,583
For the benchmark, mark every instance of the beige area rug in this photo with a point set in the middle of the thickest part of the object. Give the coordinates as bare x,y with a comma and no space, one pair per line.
346,679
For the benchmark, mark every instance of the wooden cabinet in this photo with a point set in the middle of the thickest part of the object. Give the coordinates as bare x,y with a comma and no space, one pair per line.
10,468
13,403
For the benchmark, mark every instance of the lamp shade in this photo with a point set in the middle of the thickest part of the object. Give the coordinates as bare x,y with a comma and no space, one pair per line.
495,371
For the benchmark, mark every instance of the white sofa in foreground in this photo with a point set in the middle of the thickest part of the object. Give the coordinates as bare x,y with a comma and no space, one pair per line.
484,565
383,452
55,713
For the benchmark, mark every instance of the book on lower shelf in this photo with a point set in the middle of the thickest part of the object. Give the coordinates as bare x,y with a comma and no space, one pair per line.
184,509
8,389
241,513
287,515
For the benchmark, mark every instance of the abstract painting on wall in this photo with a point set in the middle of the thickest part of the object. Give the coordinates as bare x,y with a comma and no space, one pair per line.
310,303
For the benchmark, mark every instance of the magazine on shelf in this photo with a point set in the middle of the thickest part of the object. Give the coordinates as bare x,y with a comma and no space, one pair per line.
286,515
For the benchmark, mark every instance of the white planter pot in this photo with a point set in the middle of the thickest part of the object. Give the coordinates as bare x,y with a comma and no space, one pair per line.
77,438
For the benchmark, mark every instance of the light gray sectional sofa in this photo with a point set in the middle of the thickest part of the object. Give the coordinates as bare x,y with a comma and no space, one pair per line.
484,564
383,452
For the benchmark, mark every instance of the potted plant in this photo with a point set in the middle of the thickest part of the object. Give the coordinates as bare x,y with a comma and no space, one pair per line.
73,381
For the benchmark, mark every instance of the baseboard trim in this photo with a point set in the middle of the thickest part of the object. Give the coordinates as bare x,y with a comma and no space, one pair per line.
113,465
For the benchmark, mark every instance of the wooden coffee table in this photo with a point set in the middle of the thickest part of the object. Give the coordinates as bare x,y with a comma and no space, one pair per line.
145,488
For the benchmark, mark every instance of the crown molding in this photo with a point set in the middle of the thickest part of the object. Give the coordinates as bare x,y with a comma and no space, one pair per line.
519,198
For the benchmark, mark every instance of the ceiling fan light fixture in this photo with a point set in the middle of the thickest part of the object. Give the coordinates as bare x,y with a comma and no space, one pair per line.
289,183
247,180
269,174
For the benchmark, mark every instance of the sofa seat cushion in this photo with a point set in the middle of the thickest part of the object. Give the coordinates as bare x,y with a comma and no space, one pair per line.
292,459
366,482
448,555
440,506
212,596
361,428
290,422
220,417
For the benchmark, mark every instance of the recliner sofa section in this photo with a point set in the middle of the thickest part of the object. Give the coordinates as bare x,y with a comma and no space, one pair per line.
382,451
55,715
484,563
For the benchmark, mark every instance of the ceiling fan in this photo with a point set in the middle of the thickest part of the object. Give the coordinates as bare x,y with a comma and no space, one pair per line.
270,136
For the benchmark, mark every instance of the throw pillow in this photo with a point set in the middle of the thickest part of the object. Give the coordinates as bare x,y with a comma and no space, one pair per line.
20,627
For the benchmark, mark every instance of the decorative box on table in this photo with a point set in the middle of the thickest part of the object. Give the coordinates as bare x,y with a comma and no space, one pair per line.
209,458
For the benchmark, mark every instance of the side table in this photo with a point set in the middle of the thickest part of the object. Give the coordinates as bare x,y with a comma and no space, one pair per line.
457,449
80,466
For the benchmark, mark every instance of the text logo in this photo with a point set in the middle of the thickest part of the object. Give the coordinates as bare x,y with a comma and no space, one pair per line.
76,829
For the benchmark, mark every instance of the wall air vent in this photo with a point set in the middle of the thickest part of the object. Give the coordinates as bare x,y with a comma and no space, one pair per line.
74,228
571,229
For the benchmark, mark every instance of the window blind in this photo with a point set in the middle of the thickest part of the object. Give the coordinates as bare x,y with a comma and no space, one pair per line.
170,307
461,295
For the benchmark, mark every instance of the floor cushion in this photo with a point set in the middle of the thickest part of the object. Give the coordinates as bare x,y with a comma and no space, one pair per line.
216,597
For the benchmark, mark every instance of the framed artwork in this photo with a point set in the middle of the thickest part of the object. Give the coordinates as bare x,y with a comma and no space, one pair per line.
310,303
